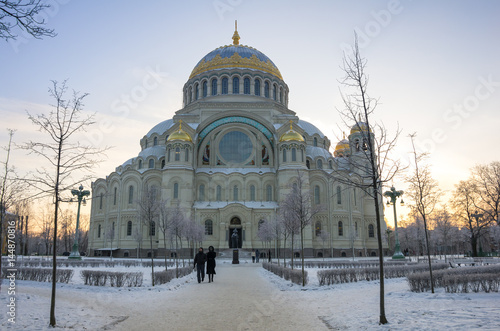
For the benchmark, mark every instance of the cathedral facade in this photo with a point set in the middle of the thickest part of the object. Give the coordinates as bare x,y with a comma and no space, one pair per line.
227,159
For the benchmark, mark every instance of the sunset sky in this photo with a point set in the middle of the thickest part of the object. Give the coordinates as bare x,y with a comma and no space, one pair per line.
434,66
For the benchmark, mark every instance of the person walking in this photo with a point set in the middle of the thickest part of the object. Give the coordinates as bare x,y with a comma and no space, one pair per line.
253,256
257,256
199,263
211,263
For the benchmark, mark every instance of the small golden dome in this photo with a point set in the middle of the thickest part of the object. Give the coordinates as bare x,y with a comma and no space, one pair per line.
180,135
343,148
291,135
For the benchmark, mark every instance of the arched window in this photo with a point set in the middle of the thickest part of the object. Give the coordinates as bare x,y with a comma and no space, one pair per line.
152,228
284,155
236,85
252,193
319,164
151,164
218,193
315,142
168,155
341,228
163,163
205,89
201,194
308,164
317,228
196,89
302,155
294,154
129,228
99,231
275,92
177,154
101,196
115,193
235,193
225,85
186,155
330,164
257,87
269,193
339,195
266,89
130,194
209,227
246,86
371,231
356,229
190,93
281,95
214,86
139,166
176,190
316,195
155,141
146,144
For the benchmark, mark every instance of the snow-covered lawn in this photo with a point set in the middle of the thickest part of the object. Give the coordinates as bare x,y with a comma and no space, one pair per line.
353,306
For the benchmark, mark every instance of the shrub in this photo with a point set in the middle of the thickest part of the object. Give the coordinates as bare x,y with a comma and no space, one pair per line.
116,279
41,274
295,275
163,277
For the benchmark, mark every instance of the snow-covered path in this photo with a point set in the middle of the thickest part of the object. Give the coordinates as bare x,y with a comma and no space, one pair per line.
240,298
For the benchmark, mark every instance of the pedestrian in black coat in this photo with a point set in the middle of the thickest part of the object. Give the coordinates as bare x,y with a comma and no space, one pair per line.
199,264
211,263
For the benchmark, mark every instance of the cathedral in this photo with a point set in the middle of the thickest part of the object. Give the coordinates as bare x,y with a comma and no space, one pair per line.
227,159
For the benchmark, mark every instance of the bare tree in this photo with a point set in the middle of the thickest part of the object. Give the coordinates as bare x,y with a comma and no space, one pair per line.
149,213
137,235
487,178
300,210
164,225
324,236
110,235
371,160
289,225
266,232
64,154
25,15
443,226
466,203
10,189
424,192
177,232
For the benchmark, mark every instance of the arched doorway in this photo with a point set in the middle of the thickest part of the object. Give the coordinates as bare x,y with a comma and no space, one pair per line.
235,224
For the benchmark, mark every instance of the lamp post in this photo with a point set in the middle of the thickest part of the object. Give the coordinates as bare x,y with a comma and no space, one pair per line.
81,194
393,195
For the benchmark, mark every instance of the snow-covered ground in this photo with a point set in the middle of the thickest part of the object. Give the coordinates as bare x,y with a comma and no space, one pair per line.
245,297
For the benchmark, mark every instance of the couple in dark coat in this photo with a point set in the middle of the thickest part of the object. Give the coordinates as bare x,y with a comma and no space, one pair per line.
199,264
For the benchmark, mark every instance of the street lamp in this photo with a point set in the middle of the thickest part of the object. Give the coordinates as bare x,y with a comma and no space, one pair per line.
393,195
81,194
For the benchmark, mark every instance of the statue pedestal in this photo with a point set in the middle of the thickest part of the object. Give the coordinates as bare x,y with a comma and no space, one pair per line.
235,257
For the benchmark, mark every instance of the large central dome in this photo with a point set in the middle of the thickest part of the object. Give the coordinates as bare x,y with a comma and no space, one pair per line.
236,56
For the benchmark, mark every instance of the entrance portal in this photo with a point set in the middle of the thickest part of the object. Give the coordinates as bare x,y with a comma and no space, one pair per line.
235,224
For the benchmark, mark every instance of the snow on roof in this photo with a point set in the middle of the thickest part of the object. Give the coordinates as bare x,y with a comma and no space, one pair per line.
310,128
314,152
161,127
157,151
248,204
243,171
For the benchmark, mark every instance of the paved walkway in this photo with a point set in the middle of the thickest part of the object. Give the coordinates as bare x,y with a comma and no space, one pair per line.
238,299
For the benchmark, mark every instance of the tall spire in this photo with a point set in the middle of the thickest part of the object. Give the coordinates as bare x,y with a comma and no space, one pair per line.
236,36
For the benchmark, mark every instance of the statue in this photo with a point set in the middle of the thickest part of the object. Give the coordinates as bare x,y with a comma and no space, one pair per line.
234,239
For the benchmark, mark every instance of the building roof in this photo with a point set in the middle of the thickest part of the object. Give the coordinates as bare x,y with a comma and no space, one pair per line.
161,127
310,128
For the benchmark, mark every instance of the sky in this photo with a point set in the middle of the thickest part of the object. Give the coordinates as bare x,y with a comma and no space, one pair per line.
433,66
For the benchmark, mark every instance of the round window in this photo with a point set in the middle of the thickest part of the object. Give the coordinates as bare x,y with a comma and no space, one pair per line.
235,147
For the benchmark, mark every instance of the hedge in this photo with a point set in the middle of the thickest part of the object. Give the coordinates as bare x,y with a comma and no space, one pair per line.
293,275
163,277
116,279
40,275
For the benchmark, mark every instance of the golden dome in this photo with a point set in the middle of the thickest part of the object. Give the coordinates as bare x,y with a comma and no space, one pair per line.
360,127
291,135
343,148
180,135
